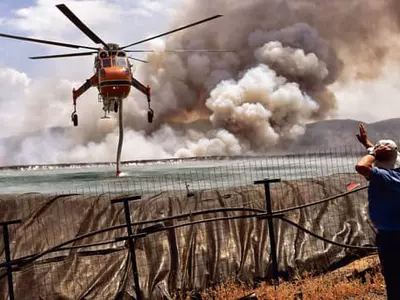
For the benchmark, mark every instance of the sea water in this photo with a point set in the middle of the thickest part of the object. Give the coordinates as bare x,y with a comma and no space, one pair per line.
155,176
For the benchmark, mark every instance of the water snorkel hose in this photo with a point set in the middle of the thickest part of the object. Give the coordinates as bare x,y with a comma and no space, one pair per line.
121,136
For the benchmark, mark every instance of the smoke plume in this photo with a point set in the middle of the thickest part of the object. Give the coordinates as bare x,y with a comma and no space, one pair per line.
285,56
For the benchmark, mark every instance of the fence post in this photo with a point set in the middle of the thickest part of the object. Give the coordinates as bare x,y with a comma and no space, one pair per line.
266,183
131,242
7,252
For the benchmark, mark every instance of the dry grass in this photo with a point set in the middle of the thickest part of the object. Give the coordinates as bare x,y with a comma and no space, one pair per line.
359,280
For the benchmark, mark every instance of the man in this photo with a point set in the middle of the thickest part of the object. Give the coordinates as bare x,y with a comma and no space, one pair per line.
379,167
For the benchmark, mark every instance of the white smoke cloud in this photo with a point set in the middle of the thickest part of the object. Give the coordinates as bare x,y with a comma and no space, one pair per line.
223,143
14,86
257,111
136,146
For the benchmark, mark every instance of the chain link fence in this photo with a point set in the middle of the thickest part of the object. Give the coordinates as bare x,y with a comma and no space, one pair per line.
195,223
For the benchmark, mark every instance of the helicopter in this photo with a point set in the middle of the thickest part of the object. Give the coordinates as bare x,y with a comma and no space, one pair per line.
113,74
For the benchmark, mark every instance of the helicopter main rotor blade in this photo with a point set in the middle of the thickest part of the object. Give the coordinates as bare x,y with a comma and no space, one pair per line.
78,23
178,51
172,31
64,55
16,37
143,61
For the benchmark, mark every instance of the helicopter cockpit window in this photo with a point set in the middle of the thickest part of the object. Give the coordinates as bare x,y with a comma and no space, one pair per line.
106,62
120,62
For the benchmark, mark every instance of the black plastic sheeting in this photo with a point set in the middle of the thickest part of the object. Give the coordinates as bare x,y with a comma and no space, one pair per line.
183,258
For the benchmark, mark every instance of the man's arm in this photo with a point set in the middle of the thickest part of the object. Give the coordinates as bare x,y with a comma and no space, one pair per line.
364,166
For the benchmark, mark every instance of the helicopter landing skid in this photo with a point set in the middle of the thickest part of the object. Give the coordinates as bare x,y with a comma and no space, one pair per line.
74,117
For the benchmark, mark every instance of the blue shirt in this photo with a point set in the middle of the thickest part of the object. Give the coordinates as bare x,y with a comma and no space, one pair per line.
384,198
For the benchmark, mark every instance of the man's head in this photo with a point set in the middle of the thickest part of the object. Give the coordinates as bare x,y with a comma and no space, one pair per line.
386,154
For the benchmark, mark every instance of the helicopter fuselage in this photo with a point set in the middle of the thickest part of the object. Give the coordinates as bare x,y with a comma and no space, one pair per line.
113,78
114,75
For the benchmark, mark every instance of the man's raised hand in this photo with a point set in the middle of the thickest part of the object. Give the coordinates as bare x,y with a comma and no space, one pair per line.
362,136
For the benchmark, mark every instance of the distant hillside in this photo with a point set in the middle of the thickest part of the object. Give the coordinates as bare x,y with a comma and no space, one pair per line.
334,133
